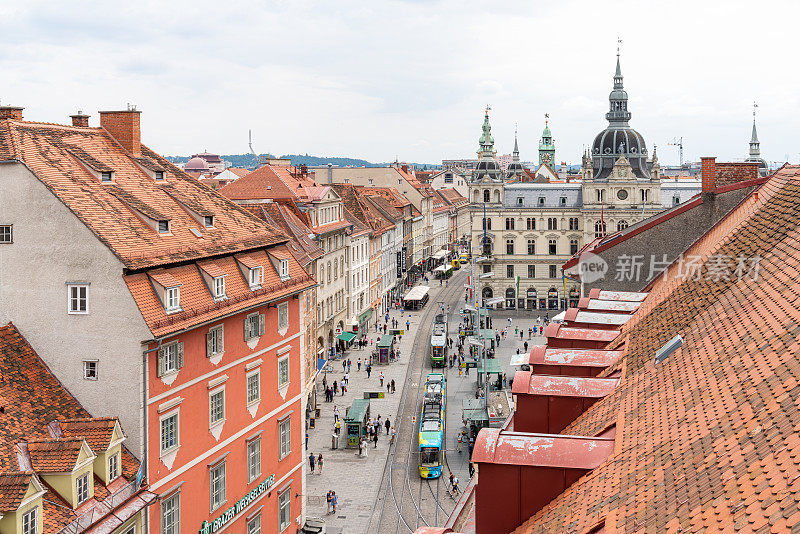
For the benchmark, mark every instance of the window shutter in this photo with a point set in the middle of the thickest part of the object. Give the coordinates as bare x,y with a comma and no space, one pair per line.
221,339
179,356
160,366
246,328
260,324
209,348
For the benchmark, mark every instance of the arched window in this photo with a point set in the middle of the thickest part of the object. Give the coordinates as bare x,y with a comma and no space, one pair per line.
599,229
496,196
621,225
477,196
329,272
486,196
335,270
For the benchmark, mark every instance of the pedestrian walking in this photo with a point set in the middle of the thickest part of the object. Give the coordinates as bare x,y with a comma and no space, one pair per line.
306,440
388,425
345,379
335,413
388,387
509,321
338,427
344,365
391,436
335,387
375,439
392,385
312,460
329,498
369,370
459,371
319,463
344,390
360,447
358,364
505,380
381,378
335,499
408,325
349,363
526,346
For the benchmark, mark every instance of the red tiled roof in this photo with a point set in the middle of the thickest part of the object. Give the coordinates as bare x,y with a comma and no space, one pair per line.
61,156
13,486
241,173
197,302
97,431
56,455
262,183
707,440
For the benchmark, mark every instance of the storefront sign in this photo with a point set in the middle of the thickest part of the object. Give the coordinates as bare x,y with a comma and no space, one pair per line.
236,509
399,264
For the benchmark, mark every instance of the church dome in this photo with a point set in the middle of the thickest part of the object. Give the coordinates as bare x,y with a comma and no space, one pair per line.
619,139
196,164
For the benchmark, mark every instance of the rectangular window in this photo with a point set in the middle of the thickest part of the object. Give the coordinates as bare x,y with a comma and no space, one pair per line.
255,277
509,271
163,227
29,521
530,223
6,233
519,201
113,466
169,433
253,326
563,201
105,176
159,175
215,341
553,269
170,358
551,247
531,271
283,371
284,438
531,247
78,299
254,525
541,201
216,407
217,490
487,268
82,488
509,246
283,317
253,459
254,387
284,513
208,221
219,287
573,246
173,299
90,369
284,269
171,514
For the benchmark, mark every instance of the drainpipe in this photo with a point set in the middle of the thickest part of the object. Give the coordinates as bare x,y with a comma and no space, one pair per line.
146,522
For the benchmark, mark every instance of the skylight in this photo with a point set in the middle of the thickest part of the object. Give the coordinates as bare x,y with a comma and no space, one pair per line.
669,347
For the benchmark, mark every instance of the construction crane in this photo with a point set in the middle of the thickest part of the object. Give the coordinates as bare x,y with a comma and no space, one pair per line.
678,142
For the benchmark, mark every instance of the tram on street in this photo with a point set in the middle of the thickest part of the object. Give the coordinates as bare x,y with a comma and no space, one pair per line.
439,341
431,426
416,298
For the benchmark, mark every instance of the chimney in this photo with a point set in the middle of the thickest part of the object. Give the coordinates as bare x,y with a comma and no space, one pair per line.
80,120
708,174
124,127
330,173
11,112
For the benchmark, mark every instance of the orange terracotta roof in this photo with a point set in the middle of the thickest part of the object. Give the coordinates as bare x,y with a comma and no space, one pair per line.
707,440
56,455
164,278
62,158
97,431
13,486
211,268
239,171
197,302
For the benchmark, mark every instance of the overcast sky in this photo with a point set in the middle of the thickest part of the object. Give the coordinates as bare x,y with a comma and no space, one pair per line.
410,79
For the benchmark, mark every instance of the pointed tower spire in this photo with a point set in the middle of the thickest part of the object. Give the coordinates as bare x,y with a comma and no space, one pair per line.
755,146
618,113
516,145
486,141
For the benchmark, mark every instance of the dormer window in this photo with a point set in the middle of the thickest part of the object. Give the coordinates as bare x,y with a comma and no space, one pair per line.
30,522
163,227
208,221
255,277
113,466
541,201
82,488
563,201
106,176
284,269
159,175
173,299
219,287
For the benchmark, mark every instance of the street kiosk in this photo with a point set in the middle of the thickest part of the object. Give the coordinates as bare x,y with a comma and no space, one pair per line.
355,422
385,349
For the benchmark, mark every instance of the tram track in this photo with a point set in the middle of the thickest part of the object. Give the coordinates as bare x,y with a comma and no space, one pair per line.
405,511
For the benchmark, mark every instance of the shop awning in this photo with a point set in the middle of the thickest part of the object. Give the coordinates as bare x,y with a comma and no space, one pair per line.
440,255
321,363
492,366
347,337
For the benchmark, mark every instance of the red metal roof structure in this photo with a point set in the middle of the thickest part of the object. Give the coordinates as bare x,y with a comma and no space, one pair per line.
520,473
625,296
602,321
548,404
571,362
611,306
566,337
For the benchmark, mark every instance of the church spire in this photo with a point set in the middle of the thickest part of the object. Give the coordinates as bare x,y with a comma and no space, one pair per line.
516,145
755,146
486,141
618,114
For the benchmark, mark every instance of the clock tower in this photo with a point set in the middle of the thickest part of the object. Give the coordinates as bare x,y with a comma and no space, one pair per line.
547,150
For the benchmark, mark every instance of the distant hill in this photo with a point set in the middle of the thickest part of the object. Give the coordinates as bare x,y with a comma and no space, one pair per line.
248,161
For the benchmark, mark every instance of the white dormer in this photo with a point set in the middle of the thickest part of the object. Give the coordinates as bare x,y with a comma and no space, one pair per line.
252,270
284,269
214,277
256,275
168,289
